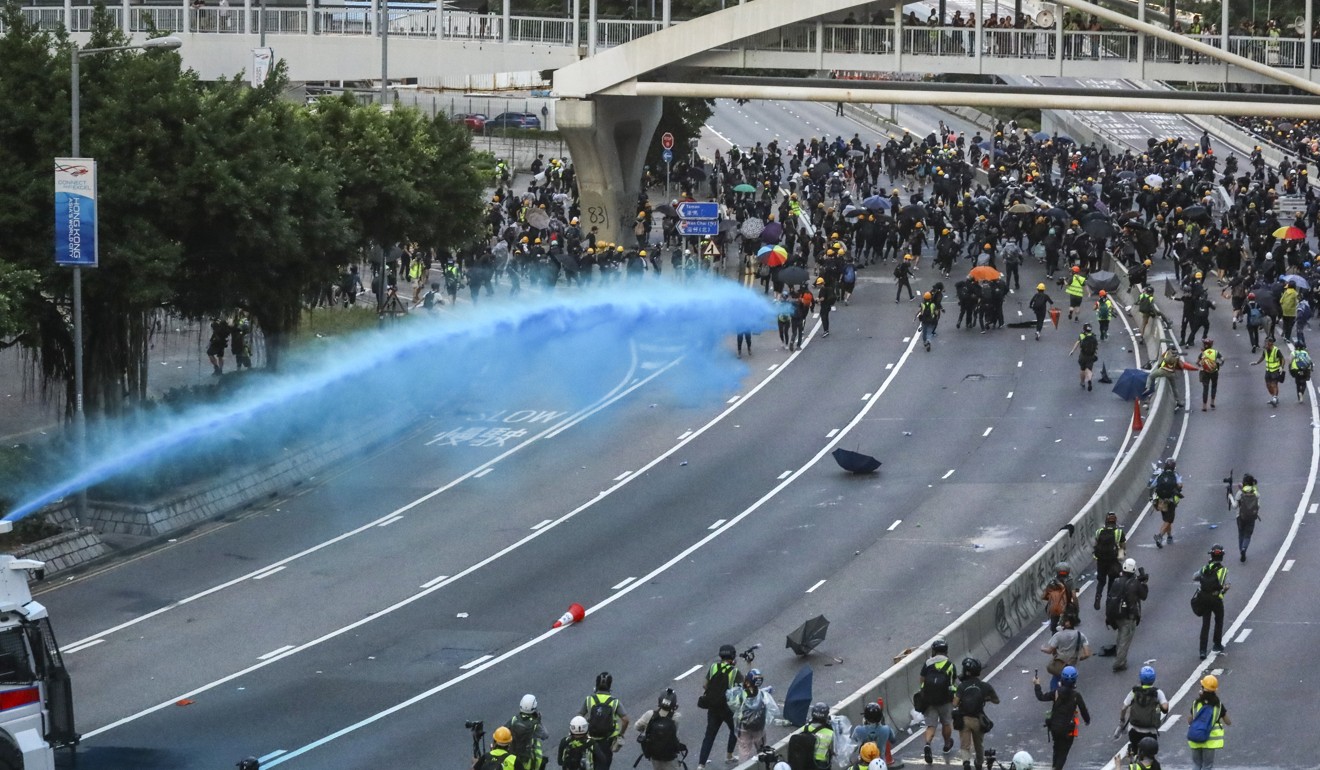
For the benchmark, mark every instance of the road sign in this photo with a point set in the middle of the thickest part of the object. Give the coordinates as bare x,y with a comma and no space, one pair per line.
76,239
696,210
698,227
668,155
667,140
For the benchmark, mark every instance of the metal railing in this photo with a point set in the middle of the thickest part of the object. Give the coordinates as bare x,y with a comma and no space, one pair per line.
857,38
612,33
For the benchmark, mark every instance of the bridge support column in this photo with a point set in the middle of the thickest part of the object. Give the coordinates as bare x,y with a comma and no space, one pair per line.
1306,40
1141,38
607,138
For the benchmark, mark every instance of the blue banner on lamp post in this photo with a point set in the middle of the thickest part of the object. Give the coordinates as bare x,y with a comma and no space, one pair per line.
75,212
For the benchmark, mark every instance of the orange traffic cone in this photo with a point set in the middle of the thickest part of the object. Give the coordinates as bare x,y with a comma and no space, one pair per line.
1054,317
1137,422
575,614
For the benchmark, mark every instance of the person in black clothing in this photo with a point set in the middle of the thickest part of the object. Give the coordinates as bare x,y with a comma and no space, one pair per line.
215,349
719,678
1062,721
903,272
1039,304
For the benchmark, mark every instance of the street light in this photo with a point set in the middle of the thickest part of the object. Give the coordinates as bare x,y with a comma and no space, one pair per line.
79,416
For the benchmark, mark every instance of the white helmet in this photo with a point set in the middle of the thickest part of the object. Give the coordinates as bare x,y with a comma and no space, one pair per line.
877,764
782,766
577,726
1130,566
1022,761
528,704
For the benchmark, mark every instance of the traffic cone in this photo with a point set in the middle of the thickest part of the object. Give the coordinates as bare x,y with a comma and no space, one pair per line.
1137,422
1104,373
575,614
1054,316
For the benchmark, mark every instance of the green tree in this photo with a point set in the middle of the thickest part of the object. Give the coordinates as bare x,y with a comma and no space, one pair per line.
684,118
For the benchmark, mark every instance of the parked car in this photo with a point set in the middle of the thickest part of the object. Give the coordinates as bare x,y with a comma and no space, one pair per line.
473,121
514,120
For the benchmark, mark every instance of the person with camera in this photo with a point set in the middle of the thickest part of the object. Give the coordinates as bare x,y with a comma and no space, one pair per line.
721,676
606,722
969,717
500,756
1063,717
1123,609
528,732
1212,582
1107,549
657,733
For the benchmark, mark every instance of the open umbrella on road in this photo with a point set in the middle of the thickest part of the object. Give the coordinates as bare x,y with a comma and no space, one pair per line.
744,188
538,219
666,209
1127,175
1131,384
797,699
806,637
1058,215
772,256
853,211
793,276
1020,208
1064,139
1102,279
877,203
914,211
751,227
1289,233
1155,180
855,462
984,273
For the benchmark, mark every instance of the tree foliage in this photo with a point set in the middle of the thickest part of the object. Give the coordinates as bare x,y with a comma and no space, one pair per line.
684,119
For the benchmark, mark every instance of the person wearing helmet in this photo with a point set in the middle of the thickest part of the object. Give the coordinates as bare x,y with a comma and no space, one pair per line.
969,716
1150,312
1075,289
657,734
1254,315
813,746
928,315
1087,348
1104,313
1123,609
575,748
754,707
903,272
1145,759
1143,708
1040,305
1300,368
938,677
1206,721
1060,595
500,756
1247,502
607,722
1210,361
249,763
1212,582
721,677
1063,718
528,732
873,733
826,296
1108,549
1022,761
1167,488
1066,647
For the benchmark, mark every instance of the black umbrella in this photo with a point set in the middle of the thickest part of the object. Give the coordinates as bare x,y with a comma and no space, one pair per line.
1147,241
1099,229
914,211
666,209
1127,175
793,276
1058,214
803,639
697,174
855,462
821,170
1096,215
1196,213
1102,279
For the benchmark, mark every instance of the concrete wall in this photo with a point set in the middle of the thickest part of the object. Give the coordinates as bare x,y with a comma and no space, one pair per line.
65,550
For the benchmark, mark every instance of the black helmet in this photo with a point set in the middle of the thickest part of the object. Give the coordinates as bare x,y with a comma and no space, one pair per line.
939,646
604,681
1148,747
727,652
872,712
249,763
820,712
1111,518
1170,464
1217,552
668,700
971,667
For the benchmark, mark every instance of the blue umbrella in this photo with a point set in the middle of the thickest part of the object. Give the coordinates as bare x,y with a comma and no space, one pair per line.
797,699
877,203
1298,281
1065,139
1041,136
772,232
1131,384
985,145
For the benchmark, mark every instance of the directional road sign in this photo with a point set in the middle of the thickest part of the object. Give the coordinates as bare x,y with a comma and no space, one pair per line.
668,155
667,140
698,227
696,210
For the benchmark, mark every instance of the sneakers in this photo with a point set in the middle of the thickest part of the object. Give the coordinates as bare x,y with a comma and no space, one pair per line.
925,752
1159,542
1242,556
1088,385
824,334
1169,538
1274,401
1218,648
731,759
1038,336
948,745
927,347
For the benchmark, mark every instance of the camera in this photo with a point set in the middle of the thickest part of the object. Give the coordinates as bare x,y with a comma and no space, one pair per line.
768,757
749,654
475,725
989,757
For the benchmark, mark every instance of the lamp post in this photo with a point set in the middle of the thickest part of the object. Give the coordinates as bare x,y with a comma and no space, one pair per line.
79,416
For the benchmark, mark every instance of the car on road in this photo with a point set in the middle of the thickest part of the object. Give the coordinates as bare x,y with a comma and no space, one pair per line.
514,120
473,121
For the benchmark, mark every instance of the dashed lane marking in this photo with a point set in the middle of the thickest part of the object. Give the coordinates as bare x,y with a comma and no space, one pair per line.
275,652
894,526
623,583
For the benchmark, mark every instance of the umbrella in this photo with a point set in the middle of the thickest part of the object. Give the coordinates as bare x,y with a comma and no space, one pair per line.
821,170
1127,175
1285,126
744,188
914,210
1131,384
1098,229
697,174
728,226
1155,180
1147,241
771,257
1289,233
772,232
984,273
1100,215
666,209
538,219
797,699
793,276
803,639
751,227
1196,213
1064,139
855,153
1102,279
877,203
1298,281
1059,214
855,462
1019,208
1041,136
853,211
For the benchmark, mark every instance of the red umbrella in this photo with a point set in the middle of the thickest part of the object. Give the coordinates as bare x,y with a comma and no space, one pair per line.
1290,234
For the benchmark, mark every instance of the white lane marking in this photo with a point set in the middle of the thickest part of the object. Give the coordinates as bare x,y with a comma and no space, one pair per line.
482,472
785,475
1010,394
407,600
270,756
866,396
894,526
905,339
623,583
384,523
733,400
832,433
275,652
688,673
1287,565
716,525
819,583
1023,338
1169,723
477,662
614,395
678,558
1242,637
889,366
1313,507
622,476
80,646
268,573
1019,364
771,367
684,435
540,524
987,431
948,474
435,580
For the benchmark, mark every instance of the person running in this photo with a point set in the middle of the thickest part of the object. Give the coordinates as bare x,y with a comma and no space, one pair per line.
1066,648
721,676
903,272
1272,357
1062,721
1247,502
1123,609
1104,313
1206,721
1212,583
1088,348
575,748
1075,290
1210,361
1143,708
606,722
1167,492
1169,367
937,688
1107,549
1040,304
969,702
928,315
1300,367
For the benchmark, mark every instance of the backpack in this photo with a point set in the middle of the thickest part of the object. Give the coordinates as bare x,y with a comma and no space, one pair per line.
1105,310
1208,579
1145,709
660,741
938,678
849,274
1057,598
1090,345
1302,361
428,301
717,684
971,699
1166,485
752,716
574,753
1249,507
1198,730
1116,604
1062,719
1209,364
600,716
1253,315
524,732
898,270
802,750
1106,545
495,761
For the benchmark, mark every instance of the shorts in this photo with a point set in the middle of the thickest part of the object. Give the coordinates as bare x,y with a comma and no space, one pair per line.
1274,376
941,714
215,349
1167,513
1086,362
1074,301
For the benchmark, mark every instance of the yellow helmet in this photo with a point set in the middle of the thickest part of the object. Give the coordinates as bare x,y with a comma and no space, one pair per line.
820,281
907,257
926,295
619,249
1040,287
1210,683
869,751
502,736
641,253
537,241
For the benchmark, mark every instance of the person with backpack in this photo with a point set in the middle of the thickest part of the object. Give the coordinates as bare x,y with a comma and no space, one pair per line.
1066,648
1123,609
903,272
1107,550
1040,304
1210,361
721,676
848,282
1060,596
1088,348
753,708
606,722
1167,368
1166,493
500,756
1300,367
1272,357
528,732
1255,318
1212,583
1145,759
873,732
575,748
1062,719
1149,310
1247,502
1205,724
969,709
1104,313
812,748
657,733
937,688
1143,708
929,318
